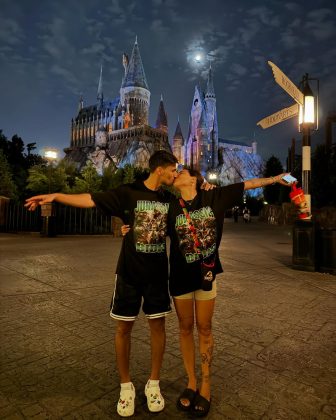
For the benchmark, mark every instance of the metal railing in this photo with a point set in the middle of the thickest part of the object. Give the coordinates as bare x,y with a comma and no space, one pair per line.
14,217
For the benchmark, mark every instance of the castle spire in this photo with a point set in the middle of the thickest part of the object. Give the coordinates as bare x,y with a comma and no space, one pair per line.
162,120
81,103
202,123
135,74
210,92
178,132
100,95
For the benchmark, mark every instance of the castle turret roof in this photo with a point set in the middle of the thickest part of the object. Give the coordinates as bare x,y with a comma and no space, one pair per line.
161,120
178,133
202,123
100,96
135,74
210,88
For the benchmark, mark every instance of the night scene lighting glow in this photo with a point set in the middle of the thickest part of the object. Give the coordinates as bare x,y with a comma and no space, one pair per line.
48,62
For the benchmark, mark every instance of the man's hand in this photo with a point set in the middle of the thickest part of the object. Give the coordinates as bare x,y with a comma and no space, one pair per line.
33,202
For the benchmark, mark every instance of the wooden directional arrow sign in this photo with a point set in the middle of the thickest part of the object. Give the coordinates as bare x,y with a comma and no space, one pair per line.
279,116
286,84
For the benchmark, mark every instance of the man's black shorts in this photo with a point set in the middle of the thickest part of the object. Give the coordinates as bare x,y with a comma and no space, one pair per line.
127,298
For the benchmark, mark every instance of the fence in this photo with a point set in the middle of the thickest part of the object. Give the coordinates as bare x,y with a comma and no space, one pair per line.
68,220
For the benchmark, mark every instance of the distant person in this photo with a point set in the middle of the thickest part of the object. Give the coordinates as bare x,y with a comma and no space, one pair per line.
246,215
235,211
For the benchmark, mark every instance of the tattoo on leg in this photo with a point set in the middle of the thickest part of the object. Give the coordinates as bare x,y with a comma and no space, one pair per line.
206,358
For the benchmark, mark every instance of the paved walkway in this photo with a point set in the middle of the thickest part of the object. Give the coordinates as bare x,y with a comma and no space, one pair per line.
274,332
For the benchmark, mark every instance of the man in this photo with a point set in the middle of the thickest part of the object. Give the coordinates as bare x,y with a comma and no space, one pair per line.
142,269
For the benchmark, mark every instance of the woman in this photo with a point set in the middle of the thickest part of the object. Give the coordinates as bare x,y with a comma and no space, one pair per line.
195,223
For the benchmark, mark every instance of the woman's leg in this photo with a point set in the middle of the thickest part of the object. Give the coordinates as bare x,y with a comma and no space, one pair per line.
185,313
204,313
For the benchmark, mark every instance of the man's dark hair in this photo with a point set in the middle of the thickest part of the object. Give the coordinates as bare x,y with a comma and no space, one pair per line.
161,158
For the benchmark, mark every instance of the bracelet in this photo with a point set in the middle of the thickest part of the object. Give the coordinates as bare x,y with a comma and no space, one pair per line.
273,180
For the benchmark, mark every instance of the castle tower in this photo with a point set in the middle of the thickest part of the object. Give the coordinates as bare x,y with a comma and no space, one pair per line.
210,101
134,89
161,119
203,149
100,95
178,143
195,115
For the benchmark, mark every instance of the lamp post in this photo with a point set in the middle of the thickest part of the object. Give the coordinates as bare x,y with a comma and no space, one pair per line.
51,155
308,117
305,249
47,210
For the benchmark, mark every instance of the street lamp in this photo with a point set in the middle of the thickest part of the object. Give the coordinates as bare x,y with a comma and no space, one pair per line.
51,155
308,120
47,209
305,246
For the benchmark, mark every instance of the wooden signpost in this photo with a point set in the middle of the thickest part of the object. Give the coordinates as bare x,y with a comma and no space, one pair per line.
286,113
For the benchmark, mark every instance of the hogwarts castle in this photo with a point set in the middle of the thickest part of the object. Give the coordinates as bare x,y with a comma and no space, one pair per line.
226,161
116,132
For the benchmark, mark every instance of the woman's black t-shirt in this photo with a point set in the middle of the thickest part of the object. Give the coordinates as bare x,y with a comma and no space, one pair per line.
207,213
143,255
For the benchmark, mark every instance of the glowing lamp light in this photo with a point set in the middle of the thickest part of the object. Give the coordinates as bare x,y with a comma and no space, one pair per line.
212,176
307,112
50,154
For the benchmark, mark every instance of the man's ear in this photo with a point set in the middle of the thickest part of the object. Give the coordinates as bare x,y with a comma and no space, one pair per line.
159,170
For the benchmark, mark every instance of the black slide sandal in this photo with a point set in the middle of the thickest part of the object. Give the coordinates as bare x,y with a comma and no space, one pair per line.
203,404
187,394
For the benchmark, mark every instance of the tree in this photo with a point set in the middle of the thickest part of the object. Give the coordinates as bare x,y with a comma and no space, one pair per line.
272,193
90,181
112,178
7,185
43,179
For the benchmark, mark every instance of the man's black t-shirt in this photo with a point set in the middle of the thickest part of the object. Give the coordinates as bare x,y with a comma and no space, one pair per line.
207,213
143,256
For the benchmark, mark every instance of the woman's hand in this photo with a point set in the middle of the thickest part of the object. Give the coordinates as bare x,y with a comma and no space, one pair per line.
125,229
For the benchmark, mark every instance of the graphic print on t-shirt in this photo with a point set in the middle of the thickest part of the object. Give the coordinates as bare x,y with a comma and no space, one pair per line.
205,223
150,226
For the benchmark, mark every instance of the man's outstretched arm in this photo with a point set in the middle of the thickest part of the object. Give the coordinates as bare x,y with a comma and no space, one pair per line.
75,200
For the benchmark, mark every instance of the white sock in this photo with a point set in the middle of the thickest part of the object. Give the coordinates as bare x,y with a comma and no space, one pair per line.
153,382
126,385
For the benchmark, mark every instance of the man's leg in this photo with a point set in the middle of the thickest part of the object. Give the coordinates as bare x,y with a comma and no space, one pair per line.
158,343
155,400
185,313
204,313
123,349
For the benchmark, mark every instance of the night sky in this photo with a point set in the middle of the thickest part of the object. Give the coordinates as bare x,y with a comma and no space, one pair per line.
51,52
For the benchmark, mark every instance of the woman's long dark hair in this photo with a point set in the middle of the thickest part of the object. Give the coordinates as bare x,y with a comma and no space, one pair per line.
197,174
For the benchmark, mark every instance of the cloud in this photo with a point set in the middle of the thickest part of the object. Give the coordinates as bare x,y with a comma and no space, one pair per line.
320,25
238,69
158,26
265,15
10,32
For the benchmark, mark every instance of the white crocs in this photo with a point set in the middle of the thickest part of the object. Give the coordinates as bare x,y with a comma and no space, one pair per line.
155,401
125,406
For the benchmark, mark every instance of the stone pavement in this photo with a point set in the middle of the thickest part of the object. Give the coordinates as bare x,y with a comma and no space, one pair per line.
274,327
